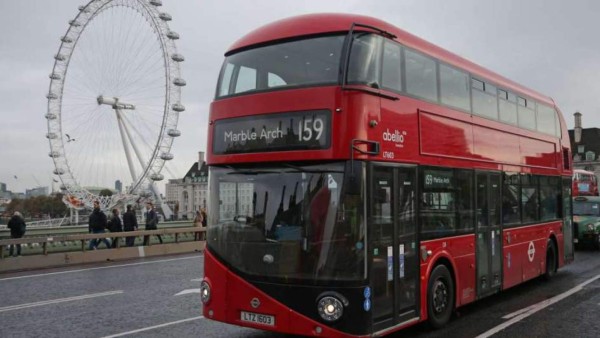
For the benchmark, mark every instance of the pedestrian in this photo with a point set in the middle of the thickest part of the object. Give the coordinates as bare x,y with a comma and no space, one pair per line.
204,222
197,224
16,224
97,225
151,222
115,225
130,224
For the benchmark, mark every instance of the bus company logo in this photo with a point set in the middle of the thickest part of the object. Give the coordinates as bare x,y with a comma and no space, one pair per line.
531,251
396,136
255,302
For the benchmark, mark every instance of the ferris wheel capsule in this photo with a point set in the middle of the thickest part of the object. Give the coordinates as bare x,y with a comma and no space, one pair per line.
157,177
165,16
166,156
156,3
178,107
177,58
66,39
59,171
173,35
174,133
179,82
55,76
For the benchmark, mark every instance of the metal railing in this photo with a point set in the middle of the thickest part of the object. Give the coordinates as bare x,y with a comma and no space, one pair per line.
83,239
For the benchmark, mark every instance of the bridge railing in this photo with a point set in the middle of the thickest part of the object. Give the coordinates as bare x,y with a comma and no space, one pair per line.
179,241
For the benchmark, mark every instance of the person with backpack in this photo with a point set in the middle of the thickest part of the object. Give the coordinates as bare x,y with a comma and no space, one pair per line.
151,222
17,226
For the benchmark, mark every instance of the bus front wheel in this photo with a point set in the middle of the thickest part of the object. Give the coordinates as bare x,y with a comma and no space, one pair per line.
440,296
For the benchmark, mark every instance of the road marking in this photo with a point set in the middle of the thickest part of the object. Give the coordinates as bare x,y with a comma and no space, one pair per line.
153,327
60,300
196,280
98,268
185,292
528,311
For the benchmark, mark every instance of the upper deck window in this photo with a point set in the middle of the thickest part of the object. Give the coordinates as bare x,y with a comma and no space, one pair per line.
421,76
485,102
454,87
311,61
365,59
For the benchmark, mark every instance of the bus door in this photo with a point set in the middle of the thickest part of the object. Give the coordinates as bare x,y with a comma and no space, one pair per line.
488,233
567,212
394,261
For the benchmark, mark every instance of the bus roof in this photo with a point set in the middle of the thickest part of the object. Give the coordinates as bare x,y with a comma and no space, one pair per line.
312,24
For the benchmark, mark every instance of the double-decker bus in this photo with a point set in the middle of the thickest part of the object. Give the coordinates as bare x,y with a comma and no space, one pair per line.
363,180
585,183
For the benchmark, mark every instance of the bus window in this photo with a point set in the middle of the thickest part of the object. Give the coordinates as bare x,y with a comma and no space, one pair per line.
508,107
391,76
529,198
546,120
485,101
454,87
511,195
246,80
364,66
421,79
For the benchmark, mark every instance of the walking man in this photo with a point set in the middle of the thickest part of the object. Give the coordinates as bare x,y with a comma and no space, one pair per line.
130,224
115,225
16,224
97,225
151,222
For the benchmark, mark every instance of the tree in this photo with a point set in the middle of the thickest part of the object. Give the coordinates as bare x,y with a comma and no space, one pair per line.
105,192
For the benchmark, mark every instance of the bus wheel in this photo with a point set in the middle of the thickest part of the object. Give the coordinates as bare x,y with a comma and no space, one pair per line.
551,264
440,296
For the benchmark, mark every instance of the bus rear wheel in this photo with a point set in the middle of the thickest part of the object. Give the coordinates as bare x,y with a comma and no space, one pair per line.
440,296
551,263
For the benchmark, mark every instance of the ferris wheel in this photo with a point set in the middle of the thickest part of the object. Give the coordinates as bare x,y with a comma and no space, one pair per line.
114,101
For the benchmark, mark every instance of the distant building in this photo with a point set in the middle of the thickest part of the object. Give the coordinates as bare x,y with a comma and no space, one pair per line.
4,194
190,193
119,186
585,146
39,191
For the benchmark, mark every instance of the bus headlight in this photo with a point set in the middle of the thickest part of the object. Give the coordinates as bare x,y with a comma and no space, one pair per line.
205,292
330,308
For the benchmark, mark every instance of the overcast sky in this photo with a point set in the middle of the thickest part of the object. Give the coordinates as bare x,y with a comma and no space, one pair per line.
551,46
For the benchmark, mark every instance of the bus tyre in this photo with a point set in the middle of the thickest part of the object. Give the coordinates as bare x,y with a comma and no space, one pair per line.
551,262
440,296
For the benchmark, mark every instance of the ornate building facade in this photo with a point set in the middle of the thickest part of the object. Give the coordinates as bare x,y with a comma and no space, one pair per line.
585,146
187,195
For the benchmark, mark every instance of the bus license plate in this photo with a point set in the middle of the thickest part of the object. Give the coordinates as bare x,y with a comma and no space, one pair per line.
256,318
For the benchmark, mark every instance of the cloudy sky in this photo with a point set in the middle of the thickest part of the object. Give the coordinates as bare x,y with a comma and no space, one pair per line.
548,45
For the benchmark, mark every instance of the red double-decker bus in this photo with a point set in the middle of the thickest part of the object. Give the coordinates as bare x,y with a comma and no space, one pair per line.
363,180
585,183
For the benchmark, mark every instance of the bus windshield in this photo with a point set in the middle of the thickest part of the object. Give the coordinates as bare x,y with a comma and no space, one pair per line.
586,209
287,222
311,61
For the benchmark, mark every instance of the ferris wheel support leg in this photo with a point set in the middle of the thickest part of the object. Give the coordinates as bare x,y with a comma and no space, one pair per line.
137,151
122,131
164,206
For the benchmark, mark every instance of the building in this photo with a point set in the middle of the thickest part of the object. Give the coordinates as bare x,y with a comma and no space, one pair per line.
118,186
187,195
39,191
4,194
585,146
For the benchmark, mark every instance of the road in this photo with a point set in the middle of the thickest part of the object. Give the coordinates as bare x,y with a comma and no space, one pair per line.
159,297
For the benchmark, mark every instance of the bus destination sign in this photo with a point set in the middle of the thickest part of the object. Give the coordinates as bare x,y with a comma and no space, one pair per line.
304,130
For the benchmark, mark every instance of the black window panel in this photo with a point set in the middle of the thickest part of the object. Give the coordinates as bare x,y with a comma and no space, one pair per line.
511,196
549,198
464,200
530,198
446,202
477,84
